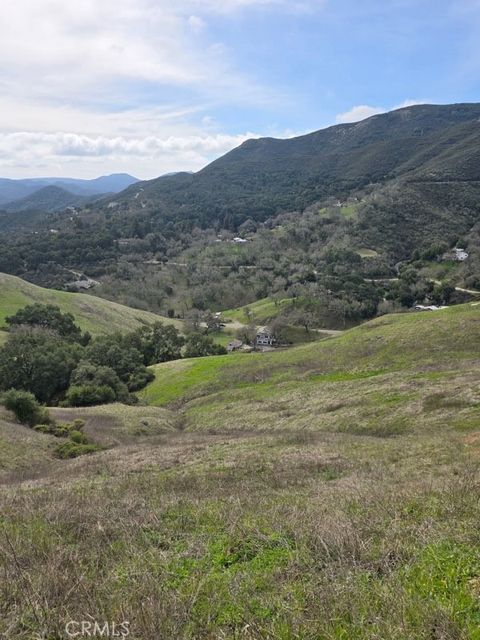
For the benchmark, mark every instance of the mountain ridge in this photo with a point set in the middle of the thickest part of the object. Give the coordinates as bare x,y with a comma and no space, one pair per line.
267,175
12,189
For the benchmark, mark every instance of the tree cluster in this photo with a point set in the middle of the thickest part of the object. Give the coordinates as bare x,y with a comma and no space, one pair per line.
47,355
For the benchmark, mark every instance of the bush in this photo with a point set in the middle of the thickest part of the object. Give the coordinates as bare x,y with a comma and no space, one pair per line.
25,407
78,437
71,449
62,430
87,395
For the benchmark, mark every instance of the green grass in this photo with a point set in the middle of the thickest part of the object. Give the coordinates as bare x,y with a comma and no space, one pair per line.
325,491
261,311
349,211
222,337
91,313
175,379
390,343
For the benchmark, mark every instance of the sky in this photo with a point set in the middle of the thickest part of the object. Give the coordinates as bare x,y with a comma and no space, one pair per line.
147,87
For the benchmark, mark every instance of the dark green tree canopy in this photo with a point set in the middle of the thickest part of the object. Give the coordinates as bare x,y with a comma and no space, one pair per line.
198,345
38,361
47,316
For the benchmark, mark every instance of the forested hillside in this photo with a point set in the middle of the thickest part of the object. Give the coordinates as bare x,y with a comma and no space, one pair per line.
318,217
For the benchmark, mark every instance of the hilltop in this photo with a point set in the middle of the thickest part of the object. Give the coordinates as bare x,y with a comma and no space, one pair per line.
432,143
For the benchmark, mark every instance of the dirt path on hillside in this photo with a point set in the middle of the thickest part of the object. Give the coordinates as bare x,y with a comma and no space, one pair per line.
472,292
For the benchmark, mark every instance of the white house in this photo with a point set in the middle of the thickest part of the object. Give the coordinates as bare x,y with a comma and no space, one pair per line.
265,338
460,255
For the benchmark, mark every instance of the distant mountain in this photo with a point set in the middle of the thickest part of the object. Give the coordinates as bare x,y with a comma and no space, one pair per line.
11,190
48,199
105,184
413,174
265,176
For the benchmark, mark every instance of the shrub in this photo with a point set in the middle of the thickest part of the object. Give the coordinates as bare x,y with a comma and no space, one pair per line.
57,430
71,449
86,395
78,437
44,428
25,407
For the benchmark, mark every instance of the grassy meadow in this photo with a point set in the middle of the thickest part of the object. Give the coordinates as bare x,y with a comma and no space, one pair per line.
326,492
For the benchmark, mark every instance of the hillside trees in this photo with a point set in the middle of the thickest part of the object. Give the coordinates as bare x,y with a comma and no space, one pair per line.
49,316
39,361
46,355
198,345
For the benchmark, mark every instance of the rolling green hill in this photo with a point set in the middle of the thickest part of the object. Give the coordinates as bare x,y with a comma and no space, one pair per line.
91,313
388,345
326,491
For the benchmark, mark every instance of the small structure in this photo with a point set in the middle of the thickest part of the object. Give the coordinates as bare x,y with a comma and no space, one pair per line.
460,255
78,285
234,345
265,338
239,240
430,307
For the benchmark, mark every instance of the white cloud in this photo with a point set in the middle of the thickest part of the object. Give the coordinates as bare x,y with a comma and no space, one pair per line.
229,6
360,112
363,111
129,78
196,24
408,103
34,150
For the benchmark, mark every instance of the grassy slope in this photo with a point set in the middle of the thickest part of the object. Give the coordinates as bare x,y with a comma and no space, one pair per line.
92,314
330,491
261,311
388,344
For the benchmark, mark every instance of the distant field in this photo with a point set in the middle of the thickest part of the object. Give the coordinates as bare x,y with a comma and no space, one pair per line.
261,311
349,211
91,313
